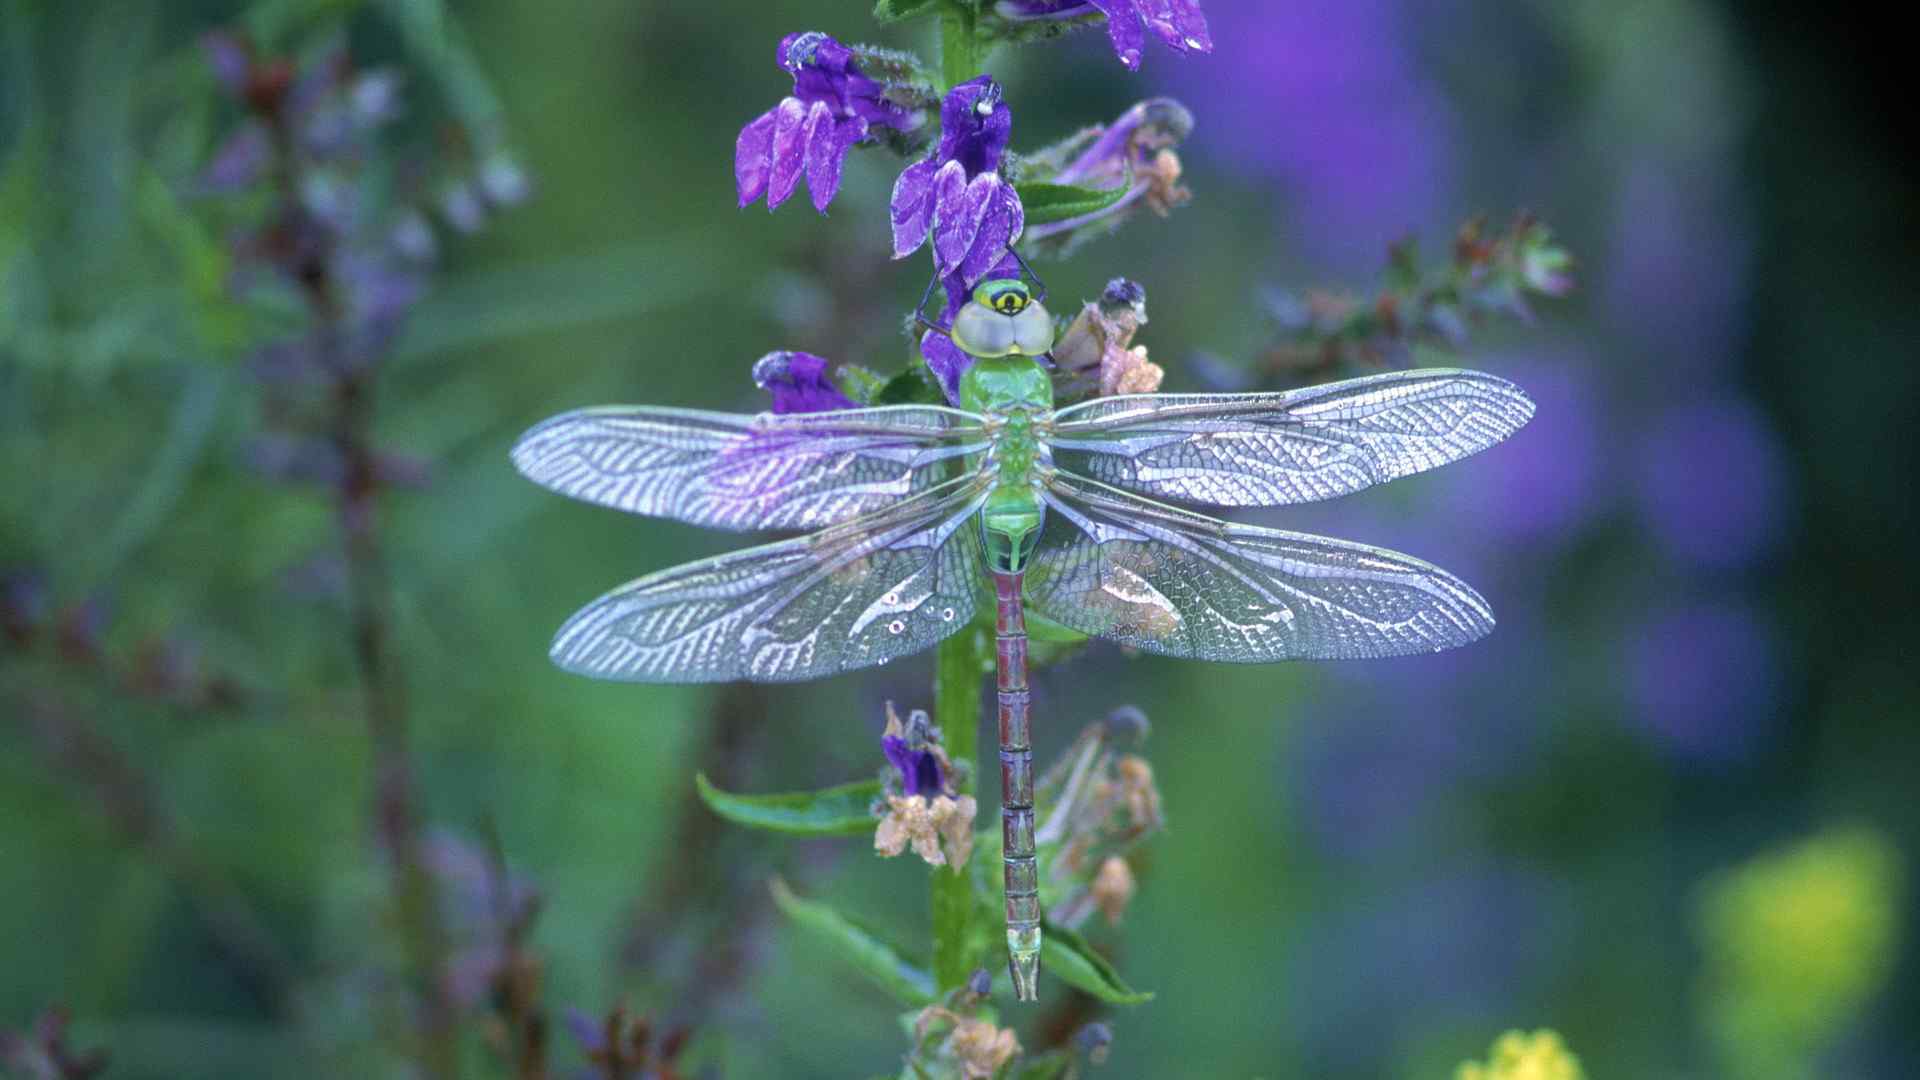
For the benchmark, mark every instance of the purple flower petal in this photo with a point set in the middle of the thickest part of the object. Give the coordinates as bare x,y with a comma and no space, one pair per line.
1179,23
753,157
919,769
789,150
1000,223
240,161
827,147
975,125
946,360
958,209
1124,30
798,382
230,59
912,207
974,225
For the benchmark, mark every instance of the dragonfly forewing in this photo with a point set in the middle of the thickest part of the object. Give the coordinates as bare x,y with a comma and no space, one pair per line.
1292,447
1173,582
860,593
727,471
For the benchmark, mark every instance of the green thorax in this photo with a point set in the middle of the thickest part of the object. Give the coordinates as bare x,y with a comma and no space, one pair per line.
1013,393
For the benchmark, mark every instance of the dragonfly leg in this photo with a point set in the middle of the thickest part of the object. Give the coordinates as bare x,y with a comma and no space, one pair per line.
1016,789
920,309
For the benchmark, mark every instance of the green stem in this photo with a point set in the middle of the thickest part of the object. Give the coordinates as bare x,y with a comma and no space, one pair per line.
960,669
962,53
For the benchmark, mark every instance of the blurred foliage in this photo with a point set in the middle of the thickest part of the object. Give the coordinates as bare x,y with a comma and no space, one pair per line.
1698,553
1797,943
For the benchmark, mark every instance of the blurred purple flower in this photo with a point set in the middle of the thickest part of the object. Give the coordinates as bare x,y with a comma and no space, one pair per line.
833,106
1326,97
957,192
1179,23
1679,261
1711,483
23,604
799,384
1547,481
1702,678
1463,949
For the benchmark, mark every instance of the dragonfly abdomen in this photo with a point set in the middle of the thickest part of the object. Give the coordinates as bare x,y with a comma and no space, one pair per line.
1016,788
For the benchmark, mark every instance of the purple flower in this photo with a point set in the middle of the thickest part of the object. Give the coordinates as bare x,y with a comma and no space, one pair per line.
1328,98
1135,151
799,384
1703,679
1179,23
913,748
1711,483
833,106
957,193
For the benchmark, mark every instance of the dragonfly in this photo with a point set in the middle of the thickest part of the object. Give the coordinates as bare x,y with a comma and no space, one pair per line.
914,516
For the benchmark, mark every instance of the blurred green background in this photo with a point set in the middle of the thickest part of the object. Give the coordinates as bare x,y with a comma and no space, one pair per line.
1698,550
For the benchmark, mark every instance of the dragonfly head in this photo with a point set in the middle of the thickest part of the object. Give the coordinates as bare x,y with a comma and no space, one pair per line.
1003,319
1010,527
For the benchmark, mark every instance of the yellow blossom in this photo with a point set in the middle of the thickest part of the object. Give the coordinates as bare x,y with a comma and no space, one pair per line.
1520,1056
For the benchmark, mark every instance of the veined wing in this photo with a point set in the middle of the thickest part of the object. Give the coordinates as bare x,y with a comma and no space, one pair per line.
1291,447
859,593
1174,582
792,471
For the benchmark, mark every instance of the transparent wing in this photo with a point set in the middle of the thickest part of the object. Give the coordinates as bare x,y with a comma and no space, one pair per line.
861,593
1291,447
793,471
1182,584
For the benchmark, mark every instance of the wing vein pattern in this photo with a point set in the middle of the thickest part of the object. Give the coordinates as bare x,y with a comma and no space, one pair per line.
727,471
864,592
1174,582
1292,447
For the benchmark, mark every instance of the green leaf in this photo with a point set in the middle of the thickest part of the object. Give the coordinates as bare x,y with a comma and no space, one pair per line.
862,384
913,386
836,811
1047,203
858,944
1053,1065
1067,954
901,10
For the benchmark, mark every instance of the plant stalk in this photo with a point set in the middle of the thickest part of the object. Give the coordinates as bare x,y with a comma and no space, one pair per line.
960,670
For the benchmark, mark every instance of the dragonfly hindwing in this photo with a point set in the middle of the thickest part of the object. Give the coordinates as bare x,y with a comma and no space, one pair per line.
860,593
1182,584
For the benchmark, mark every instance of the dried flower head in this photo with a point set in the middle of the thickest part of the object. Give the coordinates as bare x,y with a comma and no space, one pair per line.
981,1048
939,829
1113,888
1138,790
1098,344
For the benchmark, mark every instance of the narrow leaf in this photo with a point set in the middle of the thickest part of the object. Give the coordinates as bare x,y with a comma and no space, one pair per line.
898,10
1048,203
858,944
1067,954
1053,1065
836,811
